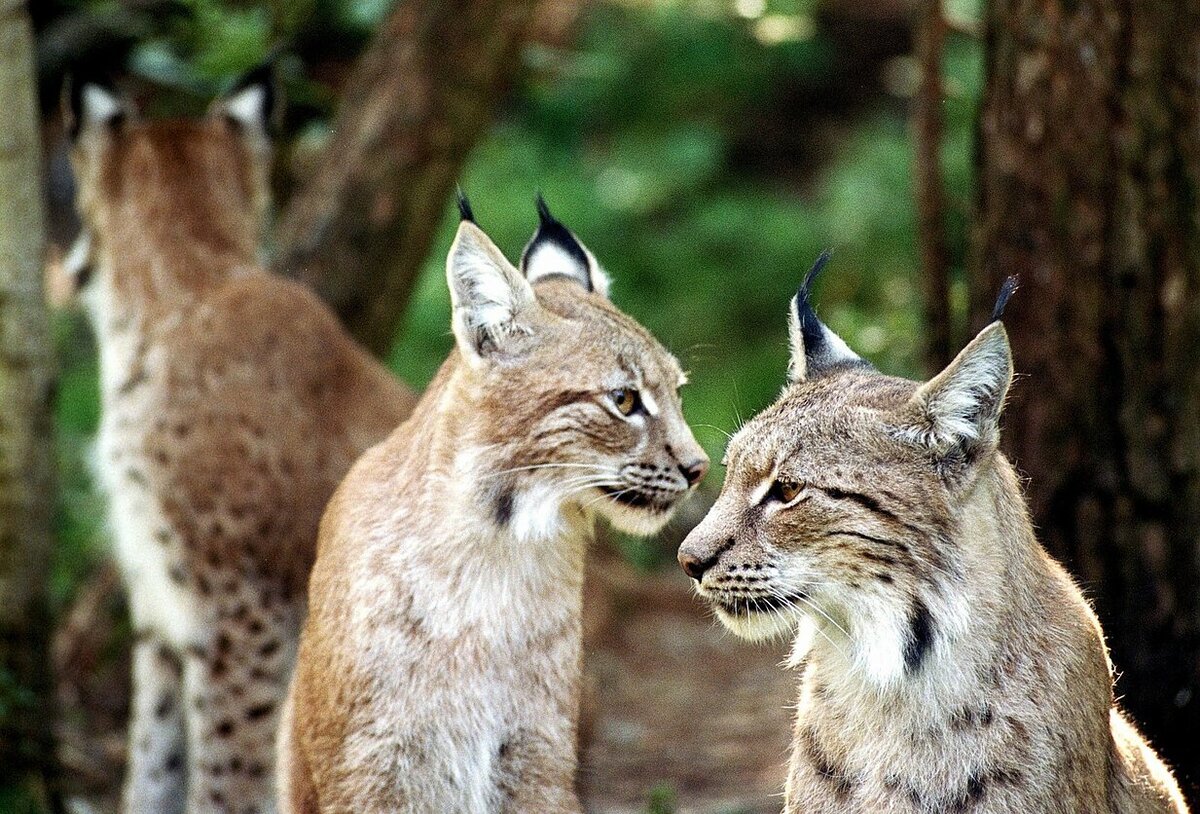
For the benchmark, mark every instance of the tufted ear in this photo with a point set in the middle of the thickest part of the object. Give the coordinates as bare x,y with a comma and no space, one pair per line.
815,348
959,409
92,106
251,105
493,305
554,250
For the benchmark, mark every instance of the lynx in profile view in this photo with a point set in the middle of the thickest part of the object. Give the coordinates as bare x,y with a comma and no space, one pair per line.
232,405
948,664
439,668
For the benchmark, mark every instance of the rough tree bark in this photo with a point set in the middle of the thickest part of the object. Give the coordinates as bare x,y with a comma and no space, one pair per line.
416,103
927,127
26,496
1089,168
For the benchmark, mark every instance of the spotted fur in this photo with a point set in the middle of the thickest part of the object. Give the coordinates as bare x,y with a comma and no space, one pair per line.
439,667
948,664
232,404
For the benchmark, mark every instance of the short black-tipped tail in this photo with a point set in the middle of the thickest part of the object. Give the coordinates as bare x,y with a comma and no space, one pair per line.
1007,289
464,206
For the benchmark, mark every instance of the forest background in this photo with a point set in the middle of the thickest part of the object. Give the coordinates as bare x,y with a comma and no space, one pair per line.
706,151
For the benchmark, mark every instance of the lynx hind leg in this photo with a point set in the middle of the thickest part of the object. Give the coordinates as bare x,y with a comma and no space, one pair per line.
155,775
235,689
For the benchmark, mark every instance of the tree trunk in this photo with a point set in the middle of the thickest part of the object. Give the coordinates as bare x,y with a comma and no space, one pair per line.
26,454
1089,169
927,176
417,101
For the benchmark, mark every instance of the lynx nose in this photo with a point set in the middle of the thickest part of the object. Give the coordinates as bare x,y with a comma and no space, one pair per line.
693,565
694,471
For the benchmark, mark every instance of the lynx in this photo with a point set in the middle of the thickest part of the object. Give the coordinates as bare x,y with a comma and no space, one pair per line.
232,403
948,664
439,667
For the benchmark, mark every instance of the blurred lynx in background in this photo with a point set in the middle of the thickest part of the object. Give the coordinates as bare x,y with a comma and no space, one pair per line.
232,404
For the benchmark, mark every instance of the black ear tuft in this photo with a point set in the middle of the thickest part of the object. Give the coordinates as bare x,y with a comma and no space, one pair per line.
261,74
562,252
811,328
544,216
464,206
1007,289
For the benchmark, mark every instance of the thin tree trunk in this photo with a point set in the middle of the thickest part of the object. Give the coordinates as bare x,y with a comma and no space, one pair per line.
418,100
1089,153
927,173
25,419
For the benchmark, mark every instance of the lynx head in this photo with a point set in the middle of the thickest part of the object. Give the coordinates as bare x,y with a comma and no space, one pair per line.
200,182
576,405
841,499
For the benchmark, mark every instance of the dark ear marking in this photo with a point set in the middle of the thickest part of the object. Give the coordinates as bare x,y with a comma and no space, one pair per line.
464,206
810,325
815,348
76,111
1007,289
251,104
555,240
262,75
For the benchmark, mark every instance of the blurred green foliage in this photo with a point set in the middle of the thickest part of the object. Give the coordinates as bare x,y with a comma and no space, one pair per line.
635,134
629,136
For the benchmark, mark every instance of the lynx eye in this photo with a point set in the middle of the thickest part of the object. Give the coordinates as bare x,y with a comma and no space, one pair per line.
626,399
785,491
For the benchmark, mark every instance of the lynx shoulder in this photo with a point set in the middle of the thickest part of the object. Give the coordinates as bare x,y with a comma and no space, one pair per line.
439,667
232,403
948,664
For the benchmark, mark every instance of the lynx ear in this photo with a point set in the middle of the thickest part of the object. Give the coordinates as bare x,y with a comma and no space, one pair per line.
554,250
959,409
492,302
815,348
92,106
251,105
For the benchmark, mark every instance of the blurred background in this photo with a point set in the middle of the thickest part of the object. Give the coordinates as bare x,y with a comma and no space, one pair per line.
706,152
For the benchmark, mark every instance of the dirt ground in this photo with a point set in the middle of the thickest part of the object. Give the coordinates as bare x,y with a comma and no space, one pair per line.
678,704
678,715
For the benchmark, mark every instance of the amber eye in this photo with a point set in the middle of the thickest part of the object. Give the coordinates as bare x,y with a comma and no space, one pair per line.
626,399
785,491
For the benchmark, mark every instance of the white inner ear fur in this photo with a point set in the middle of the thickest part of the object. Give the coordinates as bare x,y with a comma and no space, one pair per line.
488,295
548,258
962,404
833,350
797,364
99,105
248,107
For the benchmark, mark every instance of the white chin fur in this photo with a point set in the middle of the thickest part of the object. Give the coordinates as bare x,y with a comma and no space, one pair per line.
759,626
633,520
